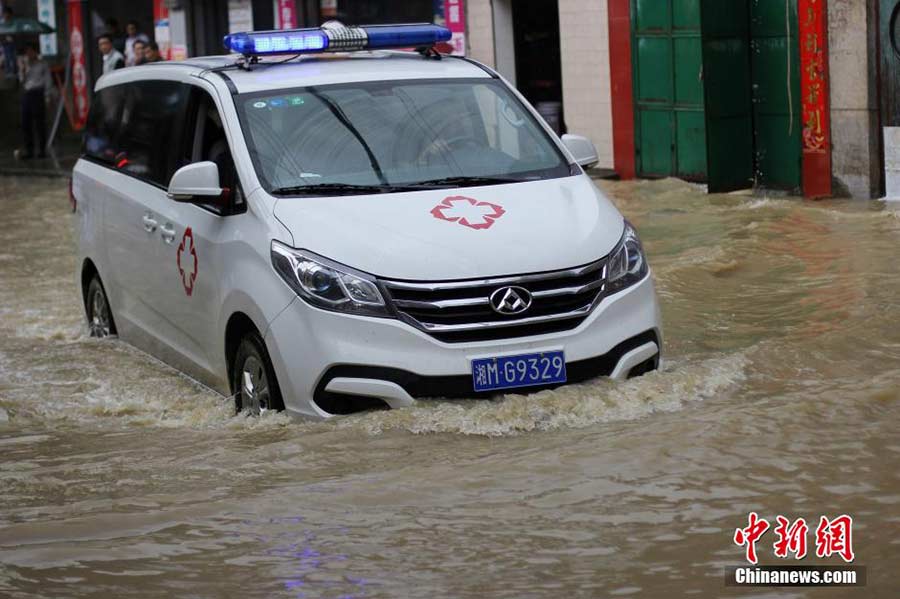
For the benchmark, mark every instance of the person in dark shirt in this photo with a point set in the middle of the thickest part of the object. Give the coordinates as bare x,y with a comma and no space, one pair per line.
35,78
115,34
151,53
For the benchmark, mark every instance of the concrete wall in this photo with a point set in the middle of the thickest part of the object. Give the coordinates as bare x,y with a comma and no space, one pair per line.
480,31
584,46
855,136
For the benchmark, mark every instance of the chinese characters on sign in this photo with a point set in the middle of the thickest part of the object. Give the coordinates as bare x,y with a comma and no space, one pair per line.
832,537
812,76
814,98
79,69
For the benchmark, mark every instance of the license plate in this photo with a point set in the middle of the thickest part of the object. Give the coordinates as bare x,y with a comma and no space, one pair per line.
527,370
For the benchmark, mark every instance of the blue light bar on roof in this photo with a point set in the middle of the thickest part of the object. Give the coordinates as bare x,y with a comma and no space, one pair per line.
335,38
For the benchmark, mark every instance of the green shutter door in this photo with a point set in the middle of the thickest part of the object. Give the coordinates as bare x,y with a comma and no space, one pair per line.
729,113
670,127
776,93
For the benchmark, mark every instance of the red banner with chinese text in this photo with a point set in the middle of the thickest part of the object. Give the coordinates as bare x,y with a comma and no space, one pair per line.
80,99
814,90
286,14
455,20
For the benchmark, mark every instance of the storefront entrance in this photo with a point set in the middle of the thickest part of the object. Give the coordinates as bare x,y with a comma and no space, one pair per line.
670,133
717,92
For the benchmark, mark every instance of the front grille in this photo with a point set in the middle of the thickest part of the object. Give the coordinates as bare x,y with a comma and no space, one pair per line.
460,311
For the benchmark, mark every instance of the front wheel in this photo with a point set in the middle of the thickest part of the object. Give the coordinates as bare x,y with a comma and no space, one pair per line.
99,314
253,380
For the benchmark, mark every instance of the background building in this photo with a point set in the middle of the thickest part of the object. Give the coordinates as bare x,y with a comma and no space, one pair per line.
776,94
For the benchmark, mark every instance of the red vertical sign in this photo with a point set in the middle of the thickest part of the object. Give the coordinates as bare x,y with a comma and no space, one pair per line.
287,14
814,91
81,101
455,18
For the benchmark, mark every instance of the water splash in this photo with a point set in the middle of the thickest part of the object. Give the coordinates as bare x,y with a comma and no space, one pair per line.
573,406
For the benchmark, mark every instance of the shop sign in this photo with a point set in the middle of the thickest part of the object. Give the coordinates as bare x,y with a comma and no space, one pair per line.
80,98
46,13
814,91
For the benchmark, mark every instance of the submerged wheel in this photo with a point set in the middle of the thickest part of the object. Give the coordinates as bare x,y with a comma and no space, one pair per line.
99,314
253,379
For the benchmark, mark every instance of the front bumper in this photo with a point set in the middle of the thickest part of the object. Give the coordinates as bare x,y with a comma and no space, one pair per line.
324,360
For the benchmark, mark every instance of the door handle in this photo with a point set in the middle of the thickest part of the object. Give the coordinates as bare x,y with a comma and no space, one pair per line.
167,231
149,223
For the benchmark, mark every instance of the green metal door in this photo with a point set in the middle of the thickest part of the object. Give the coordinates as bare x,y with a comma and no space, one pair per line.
729,107
775,69
670,132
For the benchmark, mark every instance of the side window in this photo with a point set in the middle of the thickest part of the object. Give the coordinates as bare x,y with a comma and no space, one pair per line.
101,136
151,120
205,140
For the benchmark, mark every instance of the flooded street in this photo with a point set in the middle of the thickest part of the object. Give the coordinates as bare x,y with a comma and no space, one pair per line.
780,394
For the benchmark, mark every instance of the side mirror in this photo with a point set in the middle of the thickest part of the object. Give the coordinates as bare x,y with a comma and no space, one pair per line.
196,183
582,150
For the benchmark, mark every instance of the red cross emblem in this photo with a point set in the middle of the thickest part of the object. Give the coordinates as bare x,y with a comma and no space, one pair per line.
468,212
187,261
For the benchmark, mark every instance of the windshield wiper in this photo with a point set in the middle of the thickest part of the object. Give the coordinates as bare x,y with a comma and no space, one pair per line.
463,181
327,189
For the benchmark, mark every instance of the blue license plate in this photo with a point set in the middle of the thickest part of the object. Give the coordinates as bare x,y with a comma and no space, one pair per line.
527,370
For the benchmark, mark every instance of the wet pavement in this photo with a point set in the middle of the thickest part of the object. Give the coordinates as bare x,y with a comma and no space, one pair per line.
780,393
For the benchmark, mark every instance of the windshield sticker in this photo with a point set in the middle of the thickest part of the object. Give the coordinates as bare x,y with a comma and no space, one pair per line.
468,212
510,115
186,257
259,104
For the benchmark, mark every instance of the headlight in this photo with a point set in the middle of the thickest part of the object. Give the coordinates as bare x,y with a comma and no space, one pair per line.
326,284
627,263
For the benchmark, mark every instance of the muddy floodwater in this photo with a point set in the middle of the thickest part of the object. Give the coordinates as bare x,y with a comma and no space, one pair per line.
780,394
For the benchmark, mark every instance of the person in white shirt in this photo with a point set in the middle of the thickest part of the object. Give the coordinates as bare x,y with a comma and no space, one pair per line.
112,58
134,35
34,75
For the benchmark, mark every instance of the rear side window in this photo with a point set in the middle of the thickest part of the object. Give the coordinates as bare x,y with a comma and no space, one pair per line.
135,127
101,137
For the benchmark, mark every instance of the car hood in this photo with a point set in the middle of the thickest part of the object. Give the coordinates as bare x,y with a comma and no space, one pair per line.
459,233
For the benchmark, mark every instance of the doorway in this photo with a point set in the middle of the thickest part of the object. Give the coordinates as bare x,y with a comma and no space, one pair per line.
670,129
751,64
537,57
717,92
889,67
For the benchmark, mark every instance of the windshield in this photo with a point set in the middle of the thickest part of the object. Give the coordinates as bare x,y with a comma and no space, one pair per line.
384,136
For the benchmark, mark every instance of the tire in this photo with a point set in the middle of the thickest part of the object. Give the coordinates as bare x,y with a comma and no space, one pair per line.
253,379
99,314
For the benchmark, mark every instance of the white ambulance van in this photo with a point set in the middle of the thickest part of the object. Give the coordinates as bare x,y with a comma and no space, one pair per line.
320,223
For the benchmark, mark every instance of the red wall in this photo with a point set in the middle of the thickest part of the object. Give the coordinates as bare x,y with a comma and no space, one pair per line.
622,92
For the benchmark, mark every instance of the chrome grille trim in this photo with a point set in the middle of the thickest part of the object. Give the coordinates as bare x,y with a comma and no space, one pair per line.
510,280
570,290
459,311
497,324
440,304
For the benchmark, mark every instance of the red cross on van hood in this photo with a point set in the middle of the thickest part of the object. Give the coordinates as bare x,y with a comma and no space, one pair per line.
459,233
